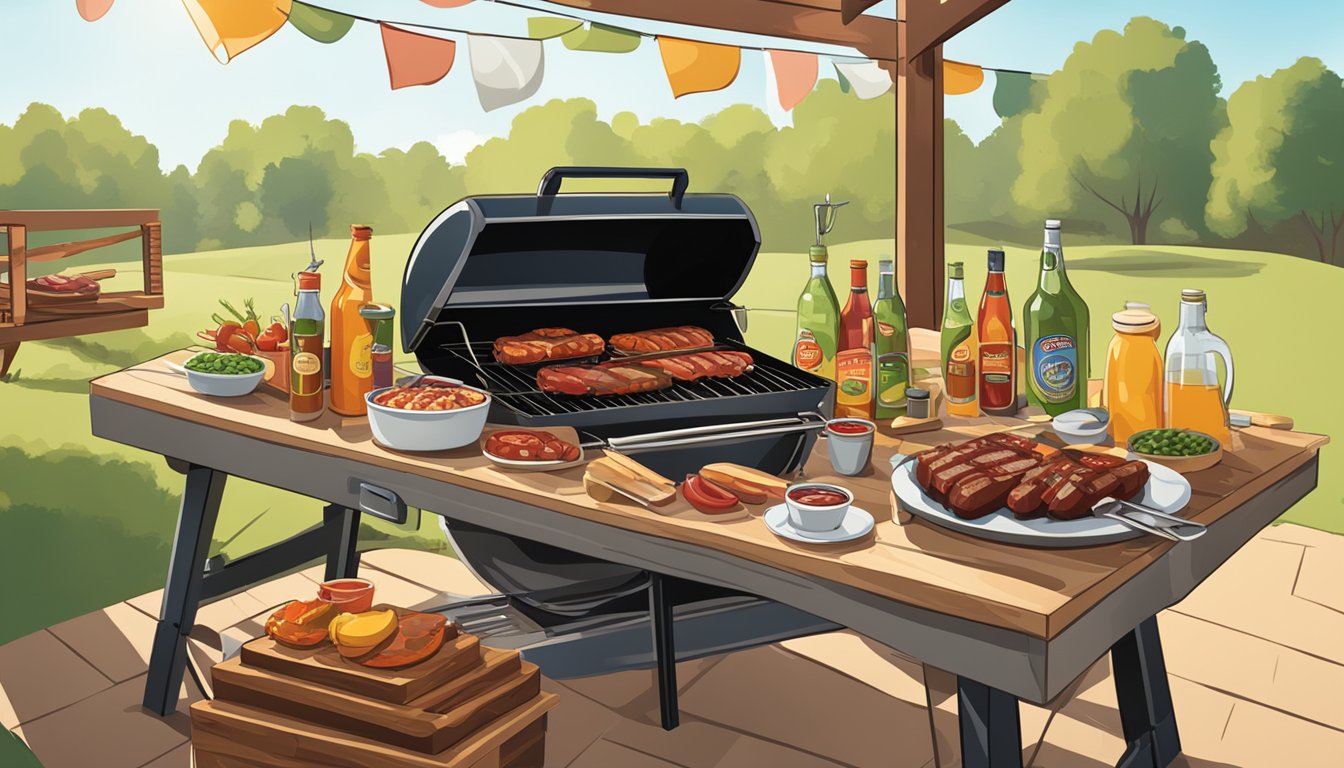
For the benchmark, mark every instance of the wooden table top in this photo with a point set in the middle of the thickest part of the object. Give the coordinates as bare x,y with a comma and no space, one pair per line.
1038,592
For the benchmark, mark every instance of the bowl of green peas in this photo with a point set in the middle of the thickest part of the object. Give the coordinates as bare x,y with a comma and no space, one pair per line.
224,374
1183,450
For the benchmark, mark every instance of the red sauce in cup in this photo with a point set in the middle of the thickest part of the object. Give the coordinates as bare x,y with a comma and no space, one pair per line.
849,427
818,497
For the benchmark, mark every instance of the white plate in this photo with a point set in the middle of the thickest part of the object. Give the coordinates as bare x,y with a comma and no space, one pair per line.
1166,491
534,466
857,524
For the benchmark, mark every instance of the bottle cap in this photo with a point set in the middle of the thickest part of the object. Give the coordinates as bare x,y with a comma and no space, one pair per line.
995,260
377,312
886,266
955,270
817,254
1135,318
915,393
361,231
1052,223
310,281
858,263
1192,295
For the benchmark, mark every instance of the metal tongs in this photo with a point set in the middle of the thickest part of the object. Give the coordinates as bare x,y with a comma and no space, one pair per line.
1149,520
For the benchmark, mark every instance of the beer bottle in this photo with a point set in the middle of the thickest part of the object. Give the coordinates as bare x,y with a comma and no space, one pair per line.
958,347
1055,323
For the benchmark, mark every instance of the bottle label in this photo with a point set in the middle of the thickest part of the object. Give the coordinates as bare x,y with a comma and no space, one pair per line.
960,375
361,355
307,378
893,376
807,352
854,372
886,329
996,361
1054,367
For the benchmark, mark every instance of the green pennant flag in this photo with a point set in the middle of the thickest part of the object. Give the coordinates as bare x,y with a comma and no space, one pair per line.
1012,93
320,24
844,82
547,27
601,38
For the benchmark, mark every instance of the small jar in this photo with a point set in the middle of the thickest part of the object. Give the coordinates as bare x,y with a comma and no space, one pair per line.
917,403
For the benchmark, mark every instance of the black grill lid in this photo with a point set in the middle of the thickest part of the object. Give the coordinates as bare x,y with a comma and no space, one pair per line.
533,250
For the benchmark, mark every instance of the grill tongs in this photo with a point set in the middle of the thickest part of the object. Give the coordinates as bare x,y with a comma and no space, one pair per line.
710,433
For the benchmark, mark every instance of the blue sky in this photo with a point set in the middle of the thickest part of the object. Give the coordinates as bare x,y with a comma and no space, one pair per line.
145,62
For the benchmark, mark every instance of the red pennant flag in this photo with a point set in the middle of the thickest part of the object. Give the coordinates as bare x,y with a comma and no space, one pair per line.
416,59
446,3
795,76
92,10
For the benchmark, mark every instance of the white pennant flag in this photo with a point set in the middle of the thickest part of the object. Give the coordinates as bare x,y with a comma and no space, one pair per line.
868,79
507,70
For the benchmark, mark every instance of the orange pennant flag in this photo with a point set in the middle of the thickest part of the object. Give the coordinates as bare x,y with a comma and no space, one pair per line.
959,78
416,59
230,27
696,67
92,10
795,76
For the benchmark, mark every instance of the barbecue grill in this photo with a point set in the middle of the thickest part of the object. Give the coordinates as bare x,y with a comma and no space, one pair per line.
502,265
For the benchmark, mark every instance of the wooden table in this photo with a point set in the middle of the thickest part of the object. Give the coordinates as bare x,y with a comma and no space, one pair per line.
1010,622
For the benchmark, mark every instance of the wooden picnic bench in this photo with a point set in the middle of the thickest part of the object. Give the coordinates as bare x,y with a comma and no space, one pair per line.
1001,622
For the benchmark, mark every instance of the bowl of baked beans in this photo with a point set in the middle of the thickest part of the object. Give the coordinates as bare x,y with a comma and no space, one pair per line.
435,414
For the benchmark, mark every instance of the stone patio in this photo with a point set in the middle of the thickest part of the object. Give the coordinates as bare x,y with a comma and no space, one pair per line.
1256,658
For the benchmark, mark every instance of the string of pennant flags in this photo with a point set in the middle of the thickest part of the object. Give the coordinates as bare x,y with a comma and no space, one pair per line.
508,69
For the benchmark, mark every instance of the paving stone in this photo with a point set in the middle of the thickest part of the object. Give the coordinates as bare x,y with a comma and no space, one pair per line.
574,724
699,744
634,693
440,573
148,603
785,698
1252,593
178,757
39,674
115,640
866,661
1292,533
605,754
1321,578
109,729
276,592
1219,730
1255,669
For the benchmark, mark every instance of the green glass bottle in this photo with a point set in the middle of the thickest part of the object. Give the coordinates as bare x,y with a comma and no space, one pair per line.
959,347
817,336
893,344
1055,325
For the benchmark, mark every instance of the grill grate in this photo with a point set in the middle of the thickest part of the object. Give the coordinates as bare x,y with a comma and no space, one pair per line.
516,386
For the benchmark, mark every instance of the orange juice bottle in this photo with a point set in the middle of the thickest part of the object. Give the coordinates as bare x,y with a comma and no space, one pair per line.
1193,398
351,340
1133,388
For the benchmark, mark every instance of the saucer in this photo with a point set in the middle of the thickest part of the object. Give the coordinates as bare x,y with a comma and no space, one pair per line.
857,524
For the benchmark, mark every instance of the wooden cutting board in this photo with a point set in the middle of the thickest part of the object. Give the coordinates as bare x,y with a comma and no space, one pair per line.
324,665
428,725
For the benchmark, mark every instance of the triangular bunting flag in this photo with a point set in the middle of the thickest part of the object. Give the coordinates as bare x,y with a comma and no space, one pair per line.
1012,93
320,24
600,38
844,81
507,70
795,76
92,10
547,27
697,67
867,79
230,27
446,3
959,78
416,59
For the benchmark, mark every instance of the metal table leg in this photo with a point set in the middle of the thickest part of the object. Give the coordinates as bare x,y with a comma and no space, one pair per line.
342,557
182,592
991,734
1144,695
664,650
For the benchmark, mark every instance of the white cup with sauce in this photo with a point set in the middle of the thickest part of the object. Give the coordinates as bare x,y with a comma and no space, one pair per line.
849,444
817,507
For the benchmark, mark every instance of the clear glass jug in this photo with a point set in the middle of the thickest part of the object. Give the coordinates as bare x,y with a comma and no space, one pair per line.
1193,397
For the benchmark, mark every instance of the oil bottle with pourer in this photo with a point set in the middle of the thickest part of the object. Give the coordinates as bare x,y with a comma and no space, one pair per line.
816,338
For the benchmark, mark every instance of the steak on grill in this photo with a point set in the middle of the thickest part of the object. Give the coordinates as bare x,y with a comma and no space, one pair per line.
663,339
601,379
546,344
699,365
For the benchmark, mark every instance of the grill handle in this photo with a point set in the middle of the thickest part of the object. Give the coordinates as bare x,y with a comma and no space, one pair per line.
716,433
550,183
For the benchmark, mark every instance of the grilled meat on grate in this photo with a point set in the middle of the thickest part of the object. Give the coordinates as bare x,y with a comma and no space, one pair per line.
627,378
663,340
546,344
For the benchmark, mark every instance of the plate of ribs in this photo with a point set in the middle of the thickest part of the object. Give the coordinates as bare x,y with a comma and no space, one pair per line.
1015,490
545,344
632,376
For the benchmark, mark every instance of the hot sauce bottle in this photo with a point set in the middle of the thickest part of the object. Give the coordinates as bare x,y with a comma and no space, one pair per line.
305,349
855,362
351,341
998,344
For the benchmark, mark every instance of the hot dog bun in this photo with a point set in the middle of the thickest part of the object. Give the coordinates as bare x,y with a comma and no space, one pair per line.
735,478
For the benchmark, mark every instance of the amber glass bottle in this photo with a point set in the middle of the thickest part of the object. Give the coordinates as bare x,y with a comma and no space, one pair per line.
351,341
854,365
998,344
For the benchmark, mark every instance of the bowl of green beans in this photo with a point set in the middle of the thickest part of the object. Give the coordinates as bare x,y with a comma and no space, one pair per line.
1183,450
224,374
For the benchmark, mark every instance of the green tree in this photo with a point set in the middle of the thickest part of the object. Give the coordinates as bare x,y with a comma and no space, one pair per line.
297,191
1281,155
1126,122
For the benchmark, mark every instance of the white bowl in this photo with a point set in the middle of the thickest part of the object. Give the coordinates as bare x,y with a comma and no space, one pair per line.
1082,426
224,384
805,517
427,430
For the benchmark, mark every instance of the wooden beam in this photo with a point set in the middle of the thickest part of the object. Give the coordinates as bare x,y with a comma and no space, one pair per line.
852,9
934,22
62,250
45,221
77,325
18,274
919,185
817,21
